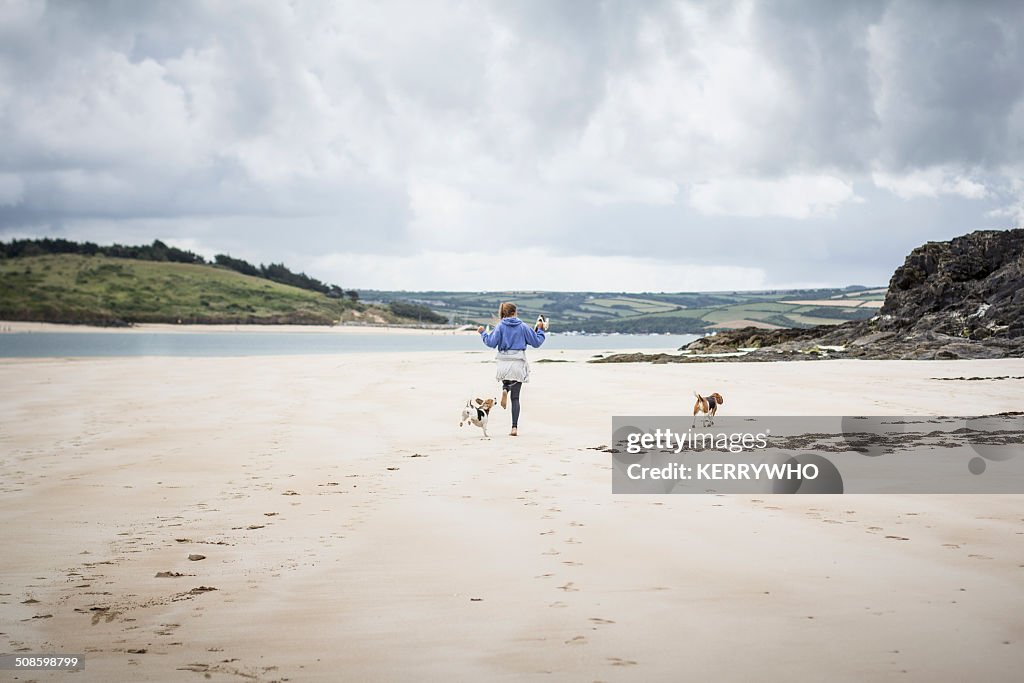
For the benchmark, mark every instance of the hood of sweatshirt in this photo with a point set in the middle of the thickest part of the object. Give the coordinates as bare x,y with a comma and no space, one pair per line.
511,322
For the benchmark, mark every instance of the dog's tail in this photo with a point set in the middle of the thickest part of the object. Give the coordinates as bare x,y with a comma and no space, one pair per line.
698,395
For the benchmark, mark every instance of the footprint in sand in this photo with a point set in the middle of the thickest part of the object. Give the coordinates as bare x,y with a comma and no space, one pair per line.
102,614
600,621
551,552
196,667
578,640
167,629
569,588
570,563
618,661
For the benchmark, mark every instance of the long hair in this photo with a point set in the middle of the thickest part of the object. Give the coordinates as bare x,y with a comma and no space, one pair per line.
507,310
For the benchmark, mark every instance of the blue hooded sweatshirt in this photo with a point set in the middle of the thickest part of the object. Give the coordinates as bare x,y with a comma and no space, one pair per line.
512,335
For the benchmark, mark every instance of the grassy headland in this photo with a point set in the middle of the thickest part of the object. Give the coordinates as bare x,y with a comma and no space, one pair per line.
101,290
56,280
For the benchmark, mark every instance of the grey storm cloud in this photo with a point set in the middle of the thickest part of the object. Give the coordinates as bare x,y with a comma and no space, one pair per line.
953,85
809,141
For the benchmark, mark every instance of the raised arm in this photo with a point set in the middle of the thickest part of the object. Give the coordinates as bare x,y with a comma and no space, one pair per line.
535,337
491,338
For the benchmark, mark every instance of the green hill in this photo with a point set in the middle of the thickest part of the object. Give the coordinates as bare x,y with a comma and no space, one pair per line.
682,312
110,290
73,288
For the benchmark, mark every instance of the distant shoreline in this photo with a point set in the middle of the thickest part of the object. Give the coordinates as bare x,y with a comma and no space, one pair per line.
22,327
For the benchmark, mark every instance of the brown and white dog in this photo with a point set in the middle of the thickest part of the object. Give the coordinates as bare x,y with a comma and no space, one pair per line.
477,412
708,405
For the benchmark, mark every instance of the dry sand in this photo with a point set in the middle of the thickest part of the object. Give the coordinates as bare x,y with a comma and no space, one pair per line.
353,532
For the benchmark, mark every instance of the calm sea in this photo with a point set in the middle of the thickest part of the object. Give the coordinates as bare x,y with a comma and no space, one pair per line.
76,344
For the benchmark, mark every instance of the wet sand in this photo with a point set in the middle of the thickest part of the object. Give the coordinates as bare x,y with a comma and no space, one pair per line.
350,530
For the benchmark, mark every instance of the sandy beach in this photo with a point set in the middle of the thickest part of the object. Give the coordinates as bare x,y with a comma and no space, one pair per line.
350,530
810,212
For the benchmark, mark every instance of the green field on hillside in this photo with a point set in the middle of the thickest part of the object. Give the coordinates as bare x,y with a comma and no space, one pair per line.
686,312
73,288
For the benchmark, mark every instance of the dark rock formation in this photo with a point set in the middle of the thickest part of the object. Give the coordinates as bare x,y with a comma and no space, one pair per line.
971,287
958,299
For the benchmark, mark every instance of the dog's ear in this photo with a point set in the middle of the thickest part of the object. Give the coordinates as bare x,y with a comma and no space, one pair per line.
479,401
719,397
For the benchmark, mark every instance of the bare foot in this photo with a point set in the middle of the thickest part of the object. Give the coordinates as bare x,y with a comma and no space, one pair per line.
514,432
504,399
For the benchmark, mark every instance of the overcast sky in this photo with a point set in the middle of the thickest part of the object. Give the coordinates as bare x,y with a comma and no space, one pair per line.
517,144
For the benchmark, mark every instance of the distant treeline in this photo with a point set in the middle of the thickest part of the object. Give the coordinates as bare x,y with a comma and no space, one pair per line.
423,314
158,251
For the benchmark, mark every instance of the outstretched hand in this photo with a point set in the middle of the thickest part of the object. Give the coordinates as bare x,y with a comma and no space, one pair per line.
480,329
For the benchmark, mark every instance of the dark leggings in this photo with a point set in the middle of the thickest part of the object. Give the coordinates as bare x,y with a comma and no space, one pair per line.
513,388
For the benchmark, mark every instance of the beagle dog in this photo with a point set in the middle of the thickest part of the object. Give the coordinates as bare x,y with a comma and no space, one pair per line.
477,412
708,405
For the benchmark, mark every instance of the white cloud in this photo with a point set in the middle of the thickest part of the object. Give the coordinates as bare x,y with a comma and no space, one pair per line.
798,197
287,130
510,268
601,182
930,182
1014,196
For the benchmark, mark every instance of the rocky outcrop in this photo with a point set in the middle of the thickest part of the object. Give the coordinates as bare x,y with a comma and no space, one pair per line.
970,287
958,299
